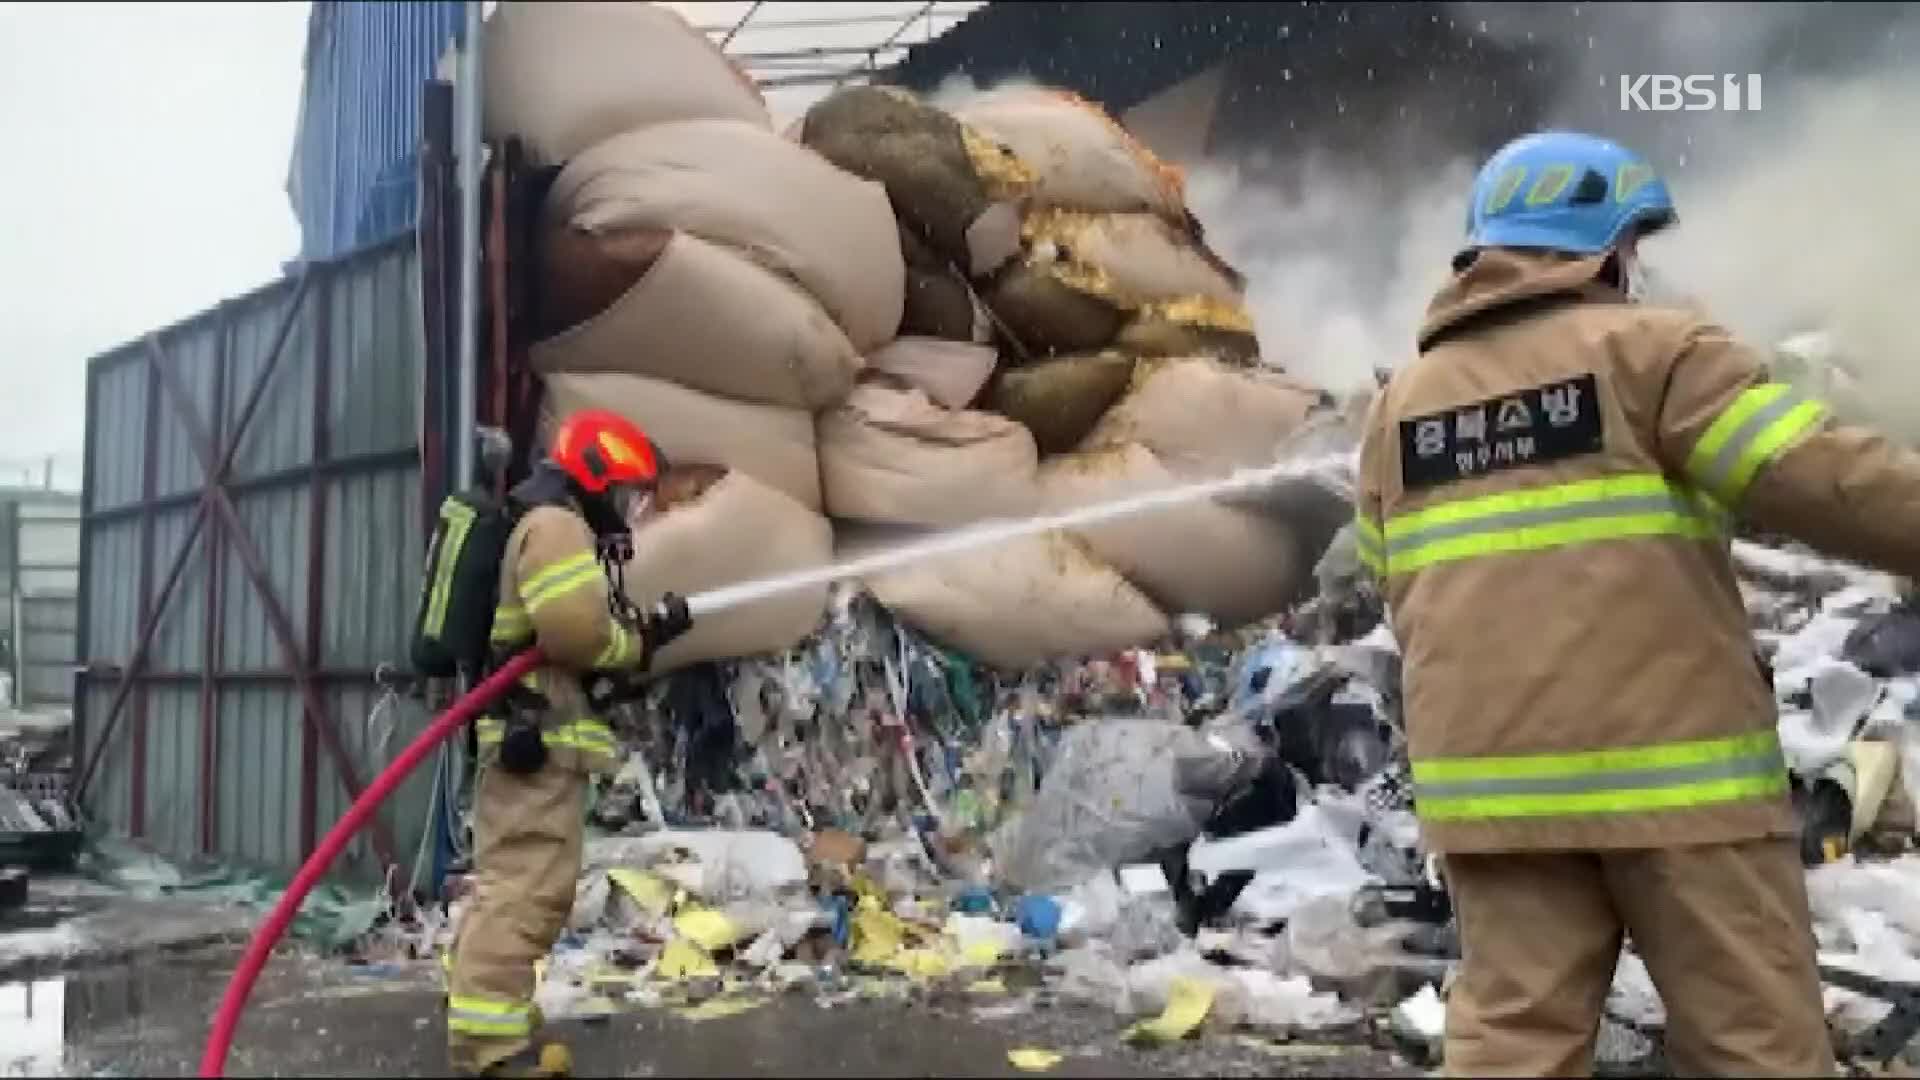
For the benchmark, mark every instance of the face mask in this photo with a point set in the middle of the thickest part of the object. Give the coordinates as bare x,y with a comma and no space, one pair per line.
1633,278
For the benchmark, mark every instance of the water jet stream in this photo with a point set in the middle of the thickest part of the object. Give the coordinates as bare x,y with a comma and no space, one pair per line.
1318,468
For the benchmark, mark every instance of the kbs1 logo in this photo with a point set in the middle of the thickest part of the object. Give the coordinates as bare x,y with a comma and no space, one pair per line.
1689,93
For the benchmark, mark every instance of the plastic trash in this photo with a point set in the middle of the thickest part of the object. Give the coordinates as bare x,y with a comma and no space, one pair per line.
1422,1020
1822,639
731,864
1150,983
1118,792
1842,696
1325,941
1039,917
1288,1005
982,941
1887,644
974,900
1313,856
1147,926
1091,973
1188,1001
1033,1059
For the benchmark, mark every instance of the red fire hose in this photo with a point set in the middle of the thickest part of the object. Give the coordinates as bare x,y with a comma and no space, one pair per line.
213,1060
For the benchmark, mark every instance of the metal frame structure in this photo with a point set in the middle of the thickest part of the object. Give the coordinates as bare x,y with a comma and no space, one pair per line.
855,46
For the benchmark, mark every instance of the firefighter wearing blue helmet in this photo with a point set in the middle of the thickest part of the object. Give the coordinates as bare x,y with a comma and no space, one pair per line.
1546,495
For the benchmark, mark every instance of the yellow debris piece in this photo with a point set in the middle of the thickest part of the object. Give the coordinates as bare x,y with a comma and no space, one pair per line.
981,954
1187,1004
920,963
682,959
1033,1059
877,934
706,928
720,1008
652,892
988,986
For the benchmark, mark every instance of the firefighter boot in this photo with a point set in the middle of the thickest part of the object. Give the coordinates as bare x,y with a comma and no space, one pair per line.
542,1059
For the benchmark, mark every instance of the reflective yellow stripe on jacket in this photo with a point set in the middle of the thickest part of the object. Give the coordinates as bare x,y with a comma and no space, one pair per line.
1668,777
1370,544
623,648
487,1017
1535,519
558,579
1761,423
511,625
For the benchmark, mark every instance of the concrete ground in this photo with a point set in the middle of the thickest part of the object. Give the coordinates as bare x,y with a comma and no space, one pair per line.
96,983
72,921
321,1018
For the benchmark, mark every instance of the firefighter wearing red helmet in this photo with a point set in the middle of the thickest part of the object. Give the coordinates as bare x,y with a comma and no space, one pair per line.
539,748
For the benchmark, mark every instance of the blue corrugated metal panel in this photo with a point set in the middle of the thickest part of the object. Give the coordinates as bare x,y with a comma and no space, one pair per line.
358,324
351,179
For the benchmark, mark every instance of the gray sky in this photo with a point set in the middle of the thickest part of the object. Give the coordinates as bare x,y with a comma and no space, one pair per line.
147,158
147,148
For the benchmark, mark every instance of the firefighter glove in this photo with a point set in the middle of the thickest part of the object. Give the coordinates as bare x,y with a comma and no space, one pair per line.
668,620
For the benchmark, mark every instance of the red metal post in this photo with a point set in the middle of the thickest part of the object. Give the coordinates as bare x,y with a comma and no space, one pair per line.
212,643
317,557
149,470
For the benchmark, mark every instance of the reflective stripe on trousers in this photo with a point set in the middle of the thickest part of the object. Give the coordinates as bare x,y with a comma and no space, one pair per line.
1668,776
486,1017
589,736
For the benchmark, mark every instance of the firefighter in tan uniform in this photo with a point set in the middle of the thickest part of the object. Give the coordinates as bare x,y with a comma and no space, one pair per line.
1546,493
538,751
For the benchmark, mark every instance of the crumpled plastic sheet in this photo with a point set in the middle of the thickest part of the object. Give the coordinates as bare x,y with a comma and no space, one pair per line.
731,864
1322,939
1313,856
1243,996
1117,792
1842,698
1822,639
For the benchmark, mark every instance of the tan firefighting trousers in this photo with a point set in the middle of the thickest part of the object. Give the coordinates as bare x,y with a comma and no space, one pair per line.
527,840
1724,930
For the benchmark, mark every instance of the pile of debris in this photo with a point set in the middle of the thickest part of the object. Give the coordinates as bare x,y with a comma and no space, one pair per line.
1214,835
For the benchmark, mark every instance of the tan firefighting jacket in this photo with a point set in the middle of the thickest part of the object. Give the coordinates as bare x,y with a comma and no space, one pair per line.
1546,491
554,592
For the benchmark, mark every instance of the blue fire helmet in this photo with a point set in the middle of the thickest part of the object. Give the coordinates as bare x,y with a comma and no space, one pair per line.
1567,192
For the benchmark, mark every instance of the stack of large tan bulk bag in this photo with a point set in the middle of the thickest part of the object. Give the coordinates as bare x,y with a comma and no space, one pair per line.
1125,350
890,320
563,75
703,276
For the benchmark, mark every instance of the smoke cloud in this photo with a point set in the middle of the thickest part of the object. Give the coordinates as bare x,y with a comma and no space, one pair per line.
1798,218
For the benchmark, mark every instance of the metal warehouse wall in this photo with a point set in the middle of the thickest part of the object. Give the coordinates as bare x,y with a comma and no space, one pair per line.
231,631
39,583
355,148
